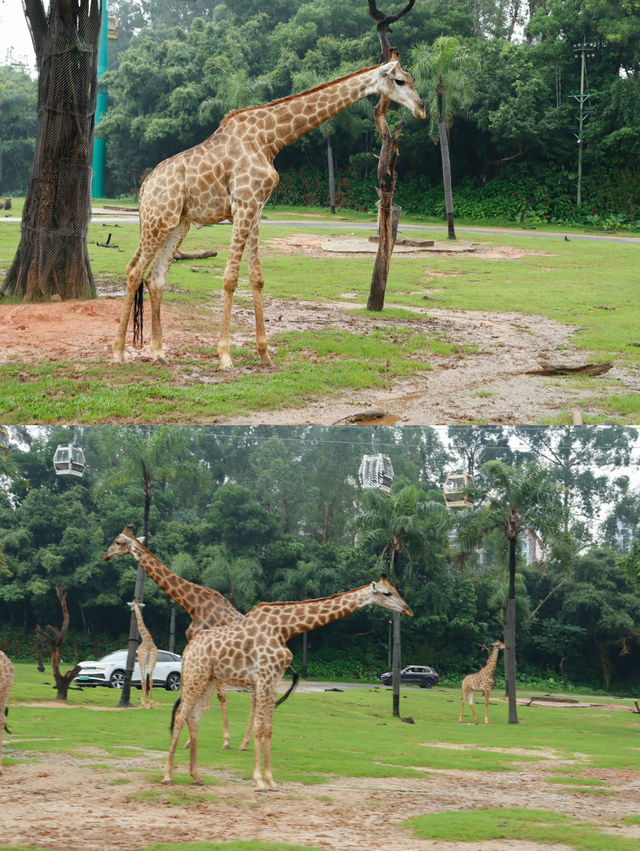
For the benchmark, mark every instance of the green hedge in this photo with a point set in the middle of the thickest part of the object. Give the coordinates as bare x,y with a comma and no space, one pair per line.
518,197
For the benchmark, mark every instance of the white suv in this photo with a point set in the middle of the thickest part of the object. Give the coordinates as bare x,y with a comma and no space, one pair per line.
111,671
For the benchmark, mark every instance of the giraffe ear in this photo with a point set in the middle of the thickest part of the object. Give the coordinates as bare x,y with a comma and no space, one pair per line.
141,539
388,68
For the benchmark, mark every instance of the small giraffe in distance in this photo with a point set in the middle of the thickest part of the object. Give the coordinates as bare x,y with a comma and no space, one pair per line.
231,176
147,654
207,608
253,654
6,681
482,681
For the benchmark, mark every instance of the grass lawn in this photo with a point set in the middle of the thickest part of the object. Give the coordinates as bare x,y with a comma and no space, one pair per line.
585,284
338,738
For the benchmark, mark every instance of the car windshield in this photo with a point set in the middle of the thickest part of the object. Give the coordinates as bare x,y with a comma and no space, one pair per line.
111,657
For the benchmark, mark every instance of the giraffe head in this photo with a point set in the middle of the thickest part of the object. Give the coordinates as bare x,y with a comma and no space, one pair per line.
121,545
500,645
395,84
384,594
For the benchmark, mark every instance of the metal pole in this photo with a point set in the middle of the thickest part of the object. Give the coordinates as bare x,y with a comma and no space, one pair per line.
580,124
100,145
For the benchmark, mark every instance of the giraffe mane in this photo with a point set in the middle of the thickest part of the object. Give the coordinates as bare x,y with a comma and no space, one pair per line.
288,98
312,600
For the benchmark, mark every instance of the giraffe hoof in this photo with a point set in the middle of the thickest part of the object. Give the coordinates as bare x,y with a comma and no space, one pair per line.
167,781
161,359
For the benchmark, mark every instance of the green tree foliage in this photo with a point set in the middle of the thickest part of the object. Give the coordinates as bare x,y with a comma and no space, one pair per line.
271,513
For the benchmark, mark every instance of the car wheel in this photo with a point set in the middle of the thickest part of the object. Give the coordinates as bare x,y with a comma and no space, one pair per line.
173,682
427,684
117,679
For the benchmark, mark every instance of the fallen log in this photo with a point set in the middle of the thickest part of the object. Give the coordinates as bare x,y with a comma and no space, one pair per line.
585,369
194,255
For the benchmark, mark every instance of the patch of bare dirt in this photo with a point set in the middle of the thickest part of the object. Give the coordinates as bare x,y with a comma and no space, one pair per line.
484,381
89,803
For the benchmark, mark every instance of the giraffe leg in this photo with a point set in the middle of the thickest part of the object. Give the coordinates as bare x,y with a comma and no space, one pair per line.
156,281
464,697
143,686
193,722
263,724
135,271
257,283
473,711
247,736
243,218
222,699
178,723
487,693
150,675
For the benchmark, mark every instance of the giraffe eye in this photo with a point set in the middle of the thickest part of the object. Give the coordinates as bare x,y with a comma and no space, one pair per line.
399,82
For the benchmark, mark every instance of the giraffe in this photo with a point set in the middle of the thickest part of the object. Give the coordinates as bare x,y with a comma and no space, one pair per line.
231,176
147,654
206,607
6,681
482,681
253,654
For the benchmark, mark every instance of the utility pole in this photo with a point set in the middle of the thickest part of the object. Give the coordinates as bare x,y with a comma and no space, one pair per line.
583,97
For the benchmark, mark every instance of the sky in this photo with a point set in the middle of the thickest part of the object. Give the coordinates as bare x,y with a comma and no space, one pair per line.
15,40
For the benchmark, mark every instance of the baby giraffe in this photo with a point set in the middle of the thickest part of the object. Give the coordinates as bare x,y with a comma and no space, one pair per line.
482,681
147,656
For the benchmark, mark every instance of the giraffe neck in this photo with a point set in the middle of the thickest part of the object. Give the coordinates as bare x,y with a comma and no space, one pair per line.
283,121
142,629
206,607
490,667
289,619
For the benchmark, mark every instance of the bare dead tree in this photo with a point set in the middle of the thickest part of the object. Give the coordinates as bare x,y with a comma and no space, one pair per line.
52,257
388,223
55,638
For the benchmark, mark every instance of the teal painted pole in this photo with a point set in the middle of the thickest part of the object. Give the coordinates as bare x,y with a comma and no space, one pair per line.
99,145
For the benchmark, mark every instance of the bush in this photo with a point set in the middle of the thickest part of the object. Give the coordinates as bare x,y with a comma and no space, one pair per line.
520,197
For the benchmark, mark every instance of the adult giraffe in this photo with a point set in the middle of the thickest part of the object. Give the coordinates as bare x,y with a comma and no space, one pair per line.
206,607
253,654
231,176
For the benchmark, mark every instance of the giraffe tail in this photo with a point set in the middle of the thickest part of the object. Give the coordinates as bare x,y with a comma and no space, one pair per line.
173,713
294,683
6,712
138,305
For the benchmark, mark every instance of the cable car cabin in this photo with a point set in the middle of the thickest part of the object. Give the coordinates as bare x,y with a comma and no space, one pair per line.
69,460
376,473
113,26
455,490
4,442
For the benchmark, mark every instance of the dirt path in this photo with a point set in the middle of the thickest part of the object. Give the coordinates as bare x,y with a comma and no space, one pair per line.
68,804
487,383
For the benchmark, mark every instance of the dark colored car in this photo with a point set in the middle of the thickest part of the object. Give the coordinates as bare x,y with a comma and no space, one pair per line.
421,675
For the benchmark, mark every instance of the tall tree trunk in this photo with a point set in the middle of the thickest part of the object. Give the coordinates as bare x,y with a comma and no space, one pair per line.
387,180
510,636
134,636
446,177
396,665
52,257
332,176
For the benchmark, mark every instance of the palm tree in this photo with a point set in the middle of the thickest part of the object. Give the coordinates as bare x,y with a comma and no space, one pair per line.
445,72
399,527
514,499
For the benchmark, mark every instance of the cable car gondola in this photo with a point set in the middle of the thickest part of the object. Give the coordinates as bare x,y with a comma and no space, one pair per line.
376,473
69,460
456,490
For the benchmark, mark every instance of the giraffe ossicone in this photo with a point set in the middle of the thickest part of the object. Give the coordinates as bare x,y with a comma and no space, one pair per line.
481,681
253,654
231,176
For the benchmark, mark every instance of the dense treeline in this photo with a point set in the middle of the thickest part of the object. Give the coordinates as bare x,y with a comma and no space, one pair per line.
271,514
177,68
